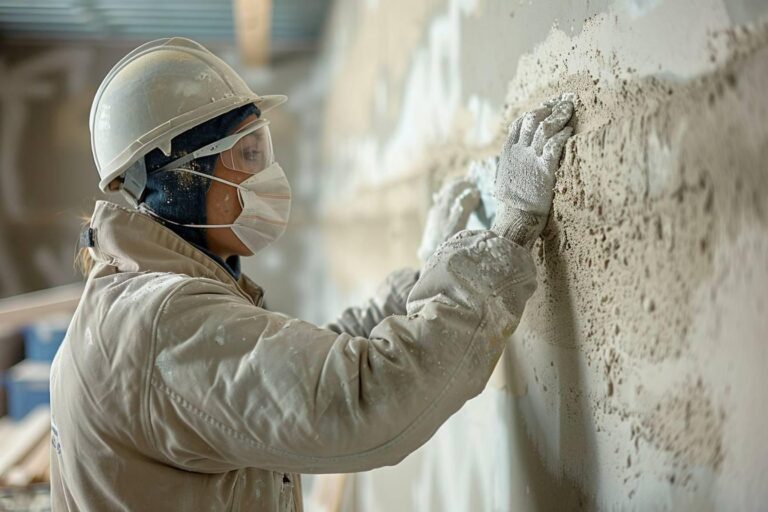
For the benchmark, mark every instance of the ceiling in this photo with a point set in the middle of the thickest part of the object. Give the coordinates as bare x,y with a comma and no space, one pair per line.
296,24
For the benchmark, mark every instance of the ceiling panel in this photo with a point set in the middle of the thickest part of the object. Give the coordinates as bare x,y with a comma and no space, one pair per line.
296,24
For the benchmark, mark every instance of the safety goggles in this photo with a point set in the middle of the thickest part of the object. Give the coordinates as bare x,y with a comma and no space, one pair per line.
247,150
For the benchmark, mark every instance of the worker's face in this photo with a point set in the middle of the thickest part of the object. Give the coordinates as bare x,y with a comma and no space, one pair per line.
222,206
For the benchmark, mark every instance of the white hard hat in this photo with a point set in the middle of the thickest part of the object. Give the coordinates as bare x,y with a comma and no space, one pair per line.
158,91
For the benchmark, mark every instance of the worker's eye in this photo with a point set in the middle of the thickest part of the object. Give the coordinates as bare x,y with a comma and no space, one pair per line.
253,154
252,146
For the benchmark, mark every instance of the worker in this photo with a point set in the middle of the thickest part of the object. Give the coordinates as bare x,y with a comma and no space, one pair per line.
176,389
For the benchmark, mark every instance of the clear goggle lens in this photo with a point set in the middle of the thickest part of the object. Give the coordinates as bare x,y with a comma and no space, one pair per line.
252,153
247,150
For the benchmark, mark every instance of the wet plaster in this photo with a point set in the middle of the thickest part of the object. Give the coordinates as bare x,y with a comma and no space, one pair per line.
634,379
657,185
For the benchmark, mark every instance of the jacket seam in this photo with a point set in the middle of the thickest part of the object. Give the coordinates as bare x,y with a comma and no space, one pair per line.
150,362
208,418
238,491
515,280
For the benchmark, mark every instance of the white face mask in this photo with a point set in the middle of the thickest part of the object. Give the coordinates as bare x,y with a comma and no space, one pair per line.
266,201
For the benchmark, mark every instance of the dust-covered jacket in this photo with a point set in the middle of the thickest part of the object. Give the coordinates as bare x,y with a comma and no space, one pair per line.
175,390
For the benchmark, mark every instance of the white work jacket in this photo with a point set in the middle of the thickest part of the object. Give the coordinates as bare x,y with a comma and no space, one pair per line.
175,390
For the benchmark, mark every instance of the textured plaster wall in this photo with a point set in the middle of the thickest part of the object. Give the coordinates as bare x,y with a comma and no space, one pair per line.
635,380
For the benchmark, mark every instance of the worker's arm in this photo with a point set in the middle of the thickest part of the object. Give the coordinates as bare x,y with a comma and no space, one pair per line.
237,386
449,213
388,300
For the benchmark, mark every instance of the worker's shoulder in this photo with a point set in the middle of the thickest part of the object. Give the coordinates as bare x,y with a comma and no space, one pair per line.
179,292
146,295
182,286
140,290
135,286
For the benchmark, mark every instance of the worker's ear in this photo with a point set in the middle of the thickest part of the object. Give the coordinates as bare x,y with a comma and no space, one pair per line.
114,185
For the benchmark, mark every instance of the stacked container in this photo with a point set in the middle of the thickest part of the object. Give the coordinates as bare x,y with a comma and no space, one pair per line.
28,382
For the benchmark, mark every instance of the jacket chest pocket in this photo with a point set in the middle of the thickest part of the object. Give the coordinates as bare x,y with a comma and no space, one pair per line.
286,494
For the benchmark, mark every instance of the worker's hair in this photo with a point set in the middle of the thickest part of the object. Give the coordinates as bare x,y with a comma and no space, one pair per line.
83,259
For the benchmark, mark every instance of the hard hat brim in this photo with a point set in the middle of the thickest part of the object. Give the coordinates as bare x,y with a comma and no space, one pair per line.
266,103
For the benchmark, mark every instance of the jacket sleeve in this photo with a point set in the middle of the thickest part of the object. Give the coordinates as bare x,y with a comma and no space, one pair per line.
236,386
389,300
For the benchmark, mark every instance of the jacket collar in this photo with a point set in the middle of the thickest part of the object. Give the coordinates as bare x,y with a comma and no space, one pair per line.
132,241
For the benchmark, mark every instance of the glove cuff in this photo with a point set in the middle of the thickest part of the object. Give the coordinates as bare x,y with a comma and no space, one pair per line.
519,226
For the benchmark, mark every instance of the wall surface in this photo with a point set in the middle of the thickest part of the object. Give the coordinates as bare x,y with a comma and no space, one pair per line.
635,380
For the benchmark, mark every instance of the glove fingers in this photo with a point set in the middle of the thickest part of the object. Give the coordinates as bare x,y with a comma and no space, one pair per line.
454,188
461,209
469,200
464,204
531,122
561,114
513,134
553,150
551,102
453,204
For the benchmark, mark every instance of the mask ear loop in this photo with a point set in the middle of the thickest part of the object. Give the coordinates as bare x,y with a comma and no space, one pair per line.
144,208
214,178
220,180
202,174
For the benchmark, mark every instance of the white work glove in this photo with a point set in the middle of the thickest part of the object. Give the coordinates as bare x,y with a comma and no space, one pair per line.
449,214
525,176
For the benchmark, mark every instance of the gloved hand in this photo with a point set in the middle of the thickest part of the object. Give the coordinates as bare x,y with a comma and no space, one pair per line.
451,208
525,176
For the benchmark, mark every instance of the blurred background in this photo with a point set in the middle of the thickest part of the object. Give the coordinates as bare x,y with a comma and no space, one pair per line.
55,54
620,390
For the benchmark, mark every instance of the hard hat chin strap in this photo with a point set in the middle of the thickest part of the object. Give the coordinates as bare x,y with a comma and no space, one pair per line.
135,182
